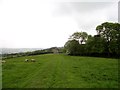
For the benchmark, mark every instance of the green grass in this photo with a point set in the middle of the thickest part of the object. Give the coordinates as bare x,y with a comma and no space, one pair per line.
60,71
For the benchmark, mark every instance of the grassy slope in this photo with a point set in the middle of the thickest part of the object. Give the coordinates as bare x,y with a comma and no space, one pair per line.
60,71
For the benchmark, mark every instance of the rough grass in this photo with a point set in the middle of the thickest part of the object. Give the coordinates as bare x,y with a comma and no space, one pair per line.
60,71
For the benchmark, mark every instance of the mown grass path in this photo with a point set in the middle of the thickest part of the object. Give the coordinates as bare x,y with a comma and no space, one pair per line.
60,71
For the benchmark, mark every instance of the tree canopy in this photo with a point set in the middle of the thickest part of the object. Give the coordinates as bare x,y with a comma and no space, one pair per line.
105,43
79,36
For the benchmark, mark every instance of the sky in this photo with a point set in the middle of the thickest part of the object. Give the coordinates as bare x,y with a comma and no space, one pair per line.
49,23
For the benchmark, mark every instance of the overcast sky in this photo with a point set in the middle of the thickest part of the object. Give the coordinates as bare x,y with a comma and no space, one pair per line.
49,23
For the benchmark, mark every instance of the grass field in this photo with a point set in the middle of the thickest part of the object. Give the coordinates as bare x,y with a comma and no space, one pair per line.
60,71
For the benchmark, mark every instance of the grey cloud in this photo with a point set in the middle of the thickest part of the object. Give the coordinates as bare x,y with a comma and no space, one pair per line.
88,14
67,8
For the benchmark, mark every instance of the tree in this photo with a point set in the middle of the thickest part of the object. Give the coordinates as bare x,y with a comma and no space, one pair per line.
72,47
105,43
117,36
95,45
79,36
111,33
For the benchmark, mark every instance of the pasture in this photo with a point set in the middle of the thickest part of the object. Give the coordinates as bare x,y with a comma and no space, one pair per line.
60,71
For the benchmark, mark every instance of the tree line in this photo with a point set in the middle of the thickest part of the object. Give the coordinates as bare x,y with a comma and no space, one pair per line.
106,43
51,50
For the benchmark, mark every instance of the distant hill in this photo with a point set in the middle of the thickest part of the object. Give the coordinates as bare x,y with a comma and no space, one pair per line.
17,50
8,53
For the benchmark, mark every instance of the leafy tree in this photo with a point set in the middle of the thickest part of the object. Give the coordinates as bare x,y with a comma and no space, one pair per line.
95,45
72,47
105,43
111,33
79,36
